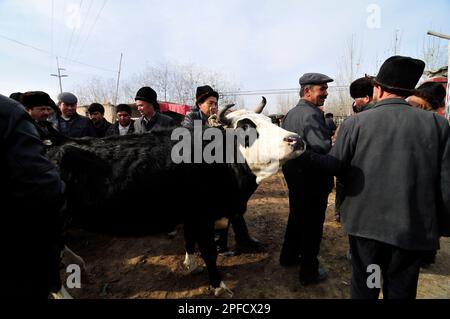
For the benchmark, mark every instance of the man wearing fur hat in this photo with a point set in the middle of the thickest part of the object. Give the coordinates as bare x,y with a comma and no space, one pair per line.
151,119
361,91
397,184
205,105
39,106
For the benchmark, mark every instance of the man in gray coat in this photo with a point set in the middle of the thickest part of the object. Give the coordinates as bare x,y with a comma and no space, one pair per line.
394,161
148,106
308,187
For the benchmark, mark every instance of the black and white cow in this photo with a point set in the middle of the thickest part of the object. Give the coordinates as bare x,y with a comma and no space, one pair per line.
133,185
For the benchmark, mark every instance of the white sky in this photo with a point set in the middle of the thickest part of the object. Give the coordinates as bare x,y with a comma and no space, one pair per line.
257,44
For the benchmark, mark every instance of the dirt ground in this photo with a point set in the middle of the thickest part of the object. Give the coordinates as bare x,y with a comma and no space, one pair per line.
151,267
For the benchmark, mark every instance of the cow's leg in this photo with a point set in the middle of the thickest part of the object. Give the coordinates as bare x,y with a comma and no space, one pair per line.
190,240
208,252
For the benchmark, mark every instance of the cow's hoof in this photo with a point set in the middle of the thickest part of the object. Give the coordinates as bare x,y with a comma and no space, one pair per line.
221,291
61,294
191,265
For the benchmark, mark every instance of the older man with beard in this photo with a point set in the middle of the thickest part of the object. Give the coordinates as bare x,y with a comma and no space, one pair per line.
308,188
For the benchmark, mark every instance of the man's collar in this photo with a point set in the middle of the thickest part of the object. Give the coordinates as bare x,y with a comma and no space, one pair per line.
392,101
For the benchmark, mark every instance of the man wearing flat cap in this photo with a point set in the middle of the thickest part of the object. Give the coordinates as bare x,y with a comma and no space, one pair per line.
308,188
70,123
39,106
151,119
394,161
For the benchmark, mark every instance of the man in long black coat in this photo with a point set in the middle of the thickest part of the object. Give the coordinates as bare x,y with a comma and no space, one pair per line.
308,187
395,165
31,192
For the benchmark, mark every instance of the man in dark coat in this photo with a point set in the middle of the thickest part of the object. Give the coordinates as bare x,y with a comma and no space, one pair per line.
39,106
30,239
330,123
124,124
395,164
148,106
97,116
361,91
205,105
70,123
206,99
308,188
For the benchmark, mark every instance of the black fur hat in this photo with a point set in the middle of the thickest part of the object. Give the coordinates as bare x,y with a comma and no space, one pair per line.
36,98
432,92
203,92
361,87
400,74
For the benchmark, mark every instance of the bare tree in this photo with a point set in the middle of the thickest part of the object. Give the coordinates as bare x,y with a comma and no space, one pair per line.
178,83
173,82
349,65
434,53
96,89
286,102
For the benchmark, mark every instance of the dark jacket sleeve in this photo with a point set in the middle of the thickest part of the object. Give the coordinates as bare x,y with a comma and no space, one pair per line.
112,130
188,121
444,198
317,133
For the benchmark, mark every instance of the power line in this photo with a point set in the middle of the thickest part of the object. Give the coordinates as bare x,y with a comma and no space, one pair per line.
276,91
77,40
49,53
92,27
73,32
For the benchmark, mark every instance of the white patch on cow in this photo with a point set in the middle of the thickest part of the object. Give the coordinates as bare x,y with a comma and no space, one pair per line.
61,294
191,264
222,290
270,150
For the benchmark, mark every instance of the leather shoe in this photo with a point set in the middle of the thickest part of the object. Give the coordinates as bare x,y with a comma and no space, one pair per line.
312,280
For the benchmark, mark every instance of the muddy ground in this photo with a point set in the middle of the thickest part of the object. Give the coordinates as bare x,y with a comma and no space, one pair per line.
151,267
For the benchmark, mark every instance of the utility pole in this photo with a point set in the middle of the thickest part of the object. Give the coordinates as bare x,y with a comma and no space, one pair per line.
59,75
447,98
118,79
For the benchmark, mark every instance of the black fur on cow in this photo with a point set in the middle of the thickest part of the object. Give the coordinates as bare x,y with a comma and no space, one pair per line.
129,185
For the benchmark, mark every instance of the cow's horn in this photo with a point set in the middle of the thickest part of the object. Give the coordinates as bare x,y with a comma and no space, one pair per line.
222,118
261,106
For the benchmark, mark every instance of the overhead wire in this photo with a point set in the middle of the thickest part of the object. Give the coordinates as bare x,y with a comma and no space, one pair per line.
92,28
49,53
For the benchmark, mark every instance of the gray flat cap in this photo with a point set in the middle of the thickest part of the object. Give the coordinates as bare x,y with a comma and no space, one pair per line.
314,78
67,98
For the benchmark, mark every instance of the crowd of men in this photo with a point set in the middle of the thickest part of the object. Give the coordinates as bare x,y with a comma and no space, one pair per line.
391,160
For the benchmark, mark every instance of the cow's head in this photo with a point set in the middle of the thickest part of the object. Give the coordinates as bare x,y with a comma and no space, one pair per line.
271,146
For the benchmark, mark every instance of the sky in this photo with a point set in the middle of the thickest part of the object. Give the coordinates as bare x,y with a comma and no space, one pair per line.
255,44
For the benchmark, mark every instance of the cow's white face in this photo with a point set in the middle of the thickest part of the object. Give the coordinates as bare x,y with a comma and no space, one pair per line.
272,147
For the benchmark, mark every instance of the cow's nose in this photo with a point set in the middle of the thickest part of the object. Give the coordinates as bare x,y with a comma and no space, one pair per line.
296,142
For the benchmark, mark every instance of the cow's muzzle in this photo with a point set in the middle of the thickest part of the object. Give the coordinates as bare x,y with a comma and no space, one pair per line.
295,142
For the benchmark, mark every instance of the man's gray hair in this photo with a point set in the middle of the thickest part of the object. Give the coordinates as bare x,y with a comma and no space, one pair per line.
303,87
